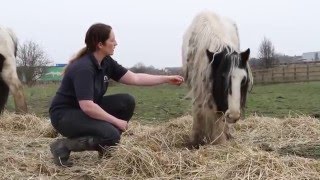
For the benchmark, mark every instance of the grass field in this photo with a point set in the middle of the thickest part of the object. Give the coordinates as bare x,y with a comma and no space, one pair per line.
159,103
280,100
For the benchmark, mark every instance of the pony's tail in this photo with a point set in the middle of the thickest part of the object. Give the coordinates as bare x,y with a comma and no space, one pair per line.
80,53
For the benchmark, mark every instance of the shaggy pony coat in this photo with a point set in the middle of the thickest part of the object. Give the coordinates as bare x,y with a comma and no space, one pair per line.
210,42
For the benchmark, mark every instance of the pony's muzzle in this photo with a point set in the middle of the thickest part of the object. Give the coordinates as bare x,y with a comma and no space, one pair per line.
232,116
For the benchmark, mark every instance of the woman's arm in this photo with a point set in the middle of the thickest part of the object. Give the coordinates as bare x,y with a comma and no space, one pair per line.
95,111
141,79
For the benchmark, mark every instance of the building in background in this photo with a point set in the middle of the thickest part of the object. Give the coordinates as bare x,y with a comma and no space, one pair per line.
53,74
311,56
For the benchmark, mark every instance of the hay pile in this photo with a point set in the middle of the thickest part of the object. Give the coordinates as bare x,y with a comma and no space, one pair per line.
263,148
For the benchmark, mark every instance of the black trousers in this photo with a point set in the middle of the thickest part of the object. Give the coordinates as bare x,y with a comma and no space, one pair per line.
73,123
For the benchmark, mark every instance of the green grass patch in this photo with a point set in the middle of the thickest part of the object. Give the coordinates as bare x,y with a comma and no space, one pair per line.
304,150
156,103
160,103
38,99
153,104
280,100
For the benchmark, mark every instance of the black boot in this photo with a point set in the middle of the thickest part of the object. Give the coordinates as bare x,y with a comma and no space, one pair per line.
104,151
61,148
86,143
60,153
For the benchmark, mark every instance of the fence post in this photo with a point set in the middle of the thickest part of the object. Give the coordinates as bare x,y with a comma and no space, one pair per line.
255,75
283,74
308,72
295,72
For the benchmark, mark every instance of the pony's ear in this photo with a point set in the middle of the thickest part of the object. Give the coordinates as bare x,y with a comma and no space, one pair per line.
209,55
215,57
245,55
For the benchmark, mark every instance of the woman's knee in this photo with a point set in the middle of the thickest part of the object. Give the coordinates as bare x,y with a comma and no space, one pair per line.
119,105
129,101
127,107
118,101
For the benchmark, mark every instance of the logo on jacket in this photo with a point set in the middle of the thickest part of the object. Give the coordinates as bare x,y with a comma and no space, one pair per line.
105,79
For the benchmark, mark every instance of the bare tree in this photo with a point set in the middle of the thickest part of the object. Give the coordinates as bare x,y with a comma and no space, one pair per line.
141,68
32,62
256,63
267,53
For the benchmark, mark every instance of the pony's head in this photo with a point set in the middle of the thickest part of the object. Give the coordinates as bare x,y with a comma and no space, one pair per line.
231,79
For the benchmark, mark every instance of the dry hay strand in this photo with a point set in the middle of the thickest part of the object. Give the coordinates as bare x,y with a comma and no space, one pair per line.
159,152
27,124
278,132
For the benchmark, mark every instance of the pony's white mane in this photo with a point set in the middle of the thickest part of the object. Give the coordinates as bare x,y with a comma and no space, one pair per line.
207,31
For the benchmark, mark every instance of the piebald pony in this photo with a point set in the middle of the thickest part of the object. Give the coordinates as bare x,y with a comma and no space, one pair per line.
218,76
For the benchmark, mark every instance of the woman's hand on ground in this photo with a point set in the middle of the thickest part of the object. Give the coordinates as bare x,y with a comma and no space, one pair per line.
122,125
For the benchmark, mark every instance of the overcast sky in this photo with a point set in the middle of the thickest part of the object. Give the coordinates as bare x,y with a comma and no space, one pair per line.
150,31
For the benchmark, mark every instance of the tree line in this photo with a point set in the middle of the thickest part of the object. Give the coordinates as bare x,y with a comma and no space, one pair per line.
32,61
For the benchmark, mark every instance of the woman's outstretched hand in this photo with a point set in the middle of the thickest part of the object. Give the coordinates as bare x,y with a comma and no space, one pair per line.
175,80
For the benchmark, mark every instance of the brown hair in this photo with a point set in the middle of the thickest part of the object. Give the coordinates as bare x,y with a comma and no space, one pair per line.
96,33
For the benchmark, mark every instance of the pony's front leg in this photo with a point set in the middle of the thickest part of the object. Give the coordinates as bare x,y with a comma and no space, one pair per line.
219,130
198,129
10,77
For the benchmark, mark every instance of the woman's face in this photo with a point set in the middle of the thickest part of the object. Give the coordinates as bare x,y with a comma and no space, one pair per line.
109,45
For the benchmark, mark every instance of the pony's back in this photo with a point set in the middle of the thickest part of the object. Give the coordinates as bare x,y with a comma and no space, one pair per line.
8,42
